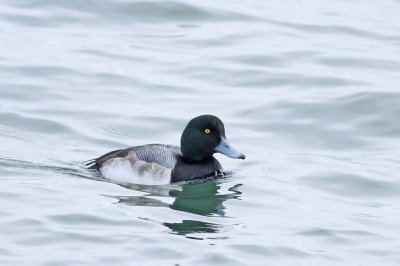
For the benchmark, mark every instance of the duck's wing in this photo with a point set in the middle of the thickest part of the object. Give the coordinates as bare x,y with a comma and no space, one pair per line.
164,155
161,154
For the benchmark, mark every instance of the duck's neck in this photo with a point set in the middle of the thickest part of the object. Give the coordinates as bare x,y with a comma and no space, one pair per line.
197,160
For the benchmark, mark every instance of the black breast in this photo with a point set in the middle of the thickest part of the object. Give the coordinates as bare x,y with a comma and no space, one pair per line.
185,171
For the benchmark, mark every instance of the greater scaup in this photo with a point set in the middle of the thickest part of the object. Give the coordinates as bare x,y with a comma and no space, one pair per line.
160,164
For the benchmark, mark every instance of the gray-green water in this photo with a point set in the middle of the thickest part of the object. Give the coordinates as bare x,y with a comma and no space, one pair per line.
308,90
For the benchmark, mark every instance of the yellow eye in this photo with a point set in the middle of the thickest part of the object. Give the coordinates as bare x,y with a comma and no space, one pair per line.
207,130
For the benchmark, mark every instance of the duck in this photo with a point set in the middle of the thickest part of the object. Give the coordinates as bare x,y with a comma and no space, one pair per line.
156,164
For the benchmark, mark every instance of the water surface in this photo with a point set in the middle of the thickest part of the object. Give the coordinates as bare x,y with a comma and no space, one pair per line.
308,90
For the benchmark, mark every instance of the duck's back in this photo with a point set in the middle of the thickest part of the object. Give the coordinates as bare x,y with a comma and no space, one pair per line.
164,155
161,154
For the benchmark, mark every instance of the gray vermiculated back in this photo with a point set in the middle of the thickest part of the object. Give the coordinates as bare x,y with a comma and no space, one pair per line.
164,155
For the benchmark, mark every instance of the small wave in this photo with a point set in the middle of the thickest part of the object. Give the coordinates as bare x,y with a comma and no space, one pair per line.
353,186
125,12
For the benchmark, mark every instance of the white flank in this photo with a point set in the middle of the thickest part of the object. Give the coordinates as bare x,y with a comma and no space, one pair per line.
131,170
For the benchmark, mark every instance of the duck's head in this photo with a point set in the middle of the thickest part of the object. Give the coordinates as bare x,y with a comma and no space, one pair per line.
205,135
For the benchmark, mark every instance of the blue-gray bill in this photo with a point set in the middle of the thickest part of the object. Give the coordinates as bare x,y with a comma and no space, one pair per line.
225,148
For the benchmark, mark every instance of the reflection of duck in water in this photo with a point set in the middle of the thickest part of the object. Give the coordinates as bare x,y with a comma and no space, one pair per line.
200,198
162,164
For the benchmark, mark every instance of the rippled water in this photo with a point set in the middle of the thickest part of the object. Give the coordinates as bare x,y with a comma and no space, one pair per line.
308,90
